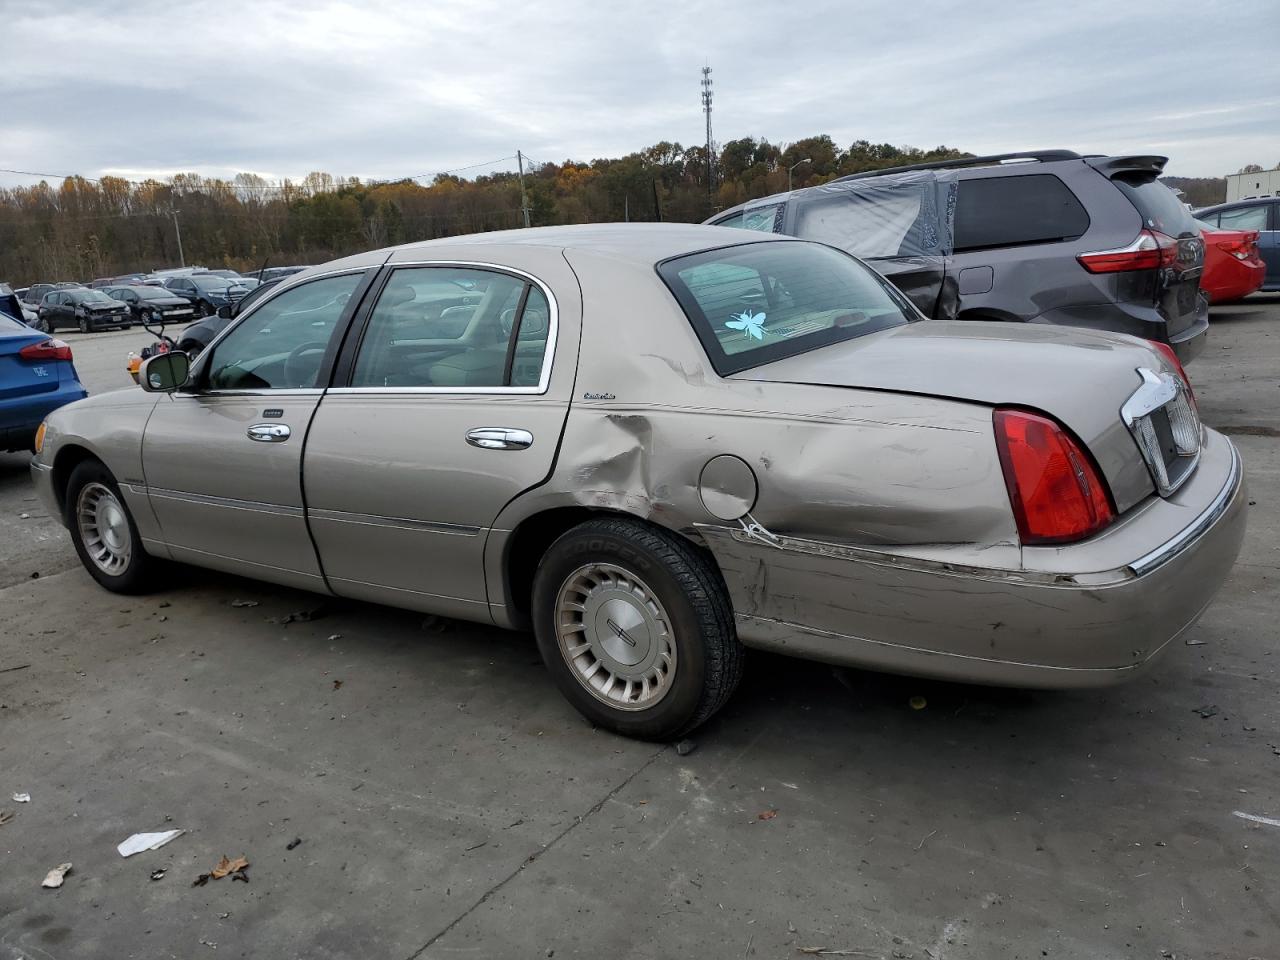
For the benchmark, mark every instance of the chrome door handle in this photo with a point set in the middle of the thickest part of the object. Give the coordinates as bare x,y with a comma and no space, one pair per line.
269,432
500,438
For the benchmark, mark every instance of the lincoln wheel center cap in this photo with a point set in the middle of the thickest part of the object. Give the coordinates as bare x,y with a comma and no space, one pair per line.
623,631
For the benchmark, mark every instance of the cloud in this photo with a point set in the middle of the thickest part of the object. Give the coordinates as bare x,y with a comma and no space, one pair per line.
399,88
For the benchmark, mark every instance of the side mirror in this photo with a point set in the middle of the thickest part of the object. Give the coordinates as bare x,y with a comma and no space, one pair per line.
224,312
165,372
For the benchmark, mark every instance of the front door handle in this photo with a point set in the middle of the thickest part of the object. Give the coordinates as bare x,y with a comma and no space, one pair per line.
269,432
499,438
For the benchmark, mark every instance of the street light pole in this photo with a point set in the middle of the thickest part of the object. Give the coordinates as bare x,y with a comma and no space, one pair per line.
792,167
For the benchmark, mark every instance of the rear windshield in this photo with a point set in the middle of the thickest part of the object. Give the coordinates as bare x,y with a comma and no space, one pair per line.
1160,208
759,302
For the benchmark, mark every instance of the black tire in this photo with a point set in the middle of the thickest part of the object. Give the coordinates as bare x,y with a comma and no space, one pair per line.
84,324
708,656
205,308
142,572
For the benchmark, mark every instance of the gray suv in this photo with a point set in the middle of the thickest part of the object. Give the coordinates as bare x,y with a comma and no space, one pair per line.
1048,237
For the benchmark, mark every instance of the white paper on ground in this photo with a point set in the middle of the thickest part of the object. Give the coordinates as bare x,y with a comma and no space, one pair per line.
147,841
53,879
22,798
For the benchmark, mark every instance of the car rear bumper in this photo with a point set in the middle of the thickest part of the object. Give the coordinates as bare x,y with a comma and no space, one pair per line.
1233,280
1059,621
1138,320
20,416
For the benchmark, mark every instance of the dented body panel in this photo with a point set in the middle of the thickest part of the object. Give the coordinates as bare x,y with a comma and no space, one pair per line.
852,497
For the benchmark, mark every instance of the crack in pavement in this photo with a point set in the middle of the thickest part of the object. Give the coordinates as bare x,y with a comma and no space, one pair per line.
535,856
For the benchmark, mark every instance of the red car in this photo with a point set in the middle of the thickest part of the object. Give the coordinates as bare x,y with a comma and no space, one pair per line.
1232,267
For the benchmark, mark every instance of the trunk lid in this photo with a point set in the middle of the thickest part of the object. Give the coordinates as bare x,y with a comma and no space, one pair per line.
1079,377
19,377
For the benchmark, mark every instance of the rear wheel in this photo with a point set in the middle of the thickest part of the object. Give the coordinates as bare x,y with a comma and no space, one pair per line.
635,627
104,533
205,309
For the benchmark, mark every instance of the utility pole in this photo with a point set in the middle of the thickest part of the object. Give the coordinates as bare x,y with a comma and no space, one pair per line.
706,108
182,261
524,198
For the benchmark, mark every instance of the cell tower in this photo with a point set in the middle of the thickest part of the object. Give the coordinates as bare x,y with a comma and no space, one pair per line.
706,108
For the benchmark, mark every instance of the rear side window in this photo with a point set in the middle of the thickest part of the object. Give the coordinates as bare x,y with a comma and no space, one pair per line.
1159,207
759,302
1007,211
765,219
1244,218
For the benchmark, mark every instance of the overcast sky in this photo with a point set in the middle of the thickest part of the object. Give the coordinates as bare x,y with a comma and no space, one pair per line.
406,87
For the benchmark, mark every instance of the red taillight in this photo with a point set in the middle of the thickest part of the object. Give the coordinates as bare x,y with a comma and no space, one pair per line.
1245,248
1149,251
1054,488
1167,352
46,350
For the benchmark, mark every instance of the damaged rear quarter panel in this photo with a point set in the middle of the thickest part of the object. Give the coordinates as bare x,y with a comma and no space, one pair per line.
902,474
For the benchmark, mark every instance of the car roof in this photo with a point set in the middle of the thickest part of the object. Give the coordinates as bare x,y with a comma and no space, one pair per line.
642,242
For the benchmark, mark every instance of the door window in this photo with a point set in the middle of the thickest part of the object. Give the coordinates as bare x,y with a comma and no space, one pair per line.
1244,218
1005,211
454,327
281,345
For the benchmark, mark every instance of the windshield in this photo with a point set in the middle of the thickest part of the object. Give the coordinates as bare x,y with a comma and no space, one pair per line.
760,302
153,293
92,296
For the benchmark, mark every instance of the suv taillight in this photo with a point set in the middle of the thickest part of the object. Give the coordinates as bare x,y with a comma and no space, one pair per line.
1149,251
46,350
1054,488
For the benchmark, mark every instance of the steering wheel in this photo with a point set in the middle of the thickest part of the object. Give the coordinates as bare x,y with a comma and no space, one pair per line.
293,372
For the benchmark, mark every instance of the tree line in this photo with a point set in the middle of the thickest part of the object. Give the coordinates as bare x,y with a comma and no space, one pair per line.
82,228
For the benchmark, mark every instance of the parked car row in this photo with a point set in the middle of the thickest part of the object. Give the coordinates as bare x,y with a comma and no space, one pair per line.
174,296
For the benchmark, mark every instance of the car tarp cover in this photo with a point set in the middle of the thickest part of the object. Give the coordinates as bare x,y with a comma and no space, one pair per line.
896,215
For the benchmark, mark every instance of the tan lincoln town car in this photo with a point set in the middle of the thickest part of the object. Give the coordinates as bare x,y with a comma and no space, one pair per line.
657,445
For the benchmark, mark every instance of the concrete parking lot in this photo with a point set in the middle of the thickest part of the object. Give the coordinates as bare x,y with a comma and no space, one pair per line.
449,803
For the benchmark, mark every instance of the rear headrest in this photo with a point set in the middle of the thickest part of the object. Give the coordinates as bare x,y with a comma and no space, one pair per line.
397,296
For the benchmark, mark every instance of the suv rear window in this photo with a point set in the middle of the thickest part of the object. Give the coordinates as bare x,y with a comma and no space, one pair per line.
758,302
1006,211
1159,207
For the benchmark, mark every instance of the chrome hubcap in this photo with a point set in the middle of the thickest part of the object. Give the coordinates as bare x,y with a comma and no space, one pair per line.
615,636
104,529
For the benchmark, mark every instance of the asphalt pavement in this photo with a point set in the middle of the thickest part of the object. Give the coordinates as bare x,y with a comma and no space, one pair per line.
408,789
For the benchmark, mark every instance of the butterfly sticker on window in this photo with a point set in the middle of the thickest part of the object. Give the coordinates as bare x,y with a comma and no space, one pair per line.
751,323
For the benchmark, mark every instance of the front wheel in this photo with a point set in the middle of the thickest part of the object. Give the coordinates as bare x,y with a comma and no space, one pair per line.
104,533
635,626
84,324
205,309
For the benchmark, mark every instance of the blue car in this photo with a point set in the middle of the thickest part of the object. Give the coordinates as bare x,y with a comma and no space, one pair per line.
36,376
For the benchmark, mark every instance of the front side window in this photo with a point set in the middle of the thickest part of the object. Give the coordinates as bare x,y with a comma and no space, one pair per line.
281,345
1006,211
454,327
760,302
1244,218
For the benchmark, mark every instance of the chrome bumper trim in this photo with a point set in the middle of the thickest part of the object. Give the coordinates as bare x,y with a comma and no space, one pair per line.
1170,549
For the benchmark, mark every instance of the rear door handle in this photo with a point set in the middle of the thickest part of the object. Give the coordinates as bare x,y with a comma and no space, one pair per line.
269,432
500,438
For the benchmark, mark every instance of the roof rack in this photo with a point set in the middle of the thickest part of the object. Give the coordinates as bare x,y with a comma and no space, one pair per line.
1042,156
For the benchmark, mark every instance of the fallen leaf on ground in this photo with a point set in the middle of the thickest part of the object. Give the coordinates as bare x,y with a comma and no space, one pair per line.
5,817
293,843
767,815
918,702
226,866
53,879
337,684
157,874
